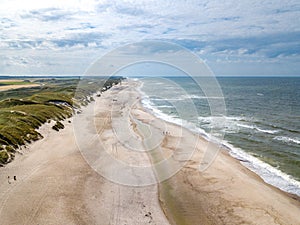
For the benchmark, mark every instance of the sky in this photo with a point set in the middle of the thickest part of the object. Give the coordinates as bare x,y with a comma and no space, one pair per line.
257,37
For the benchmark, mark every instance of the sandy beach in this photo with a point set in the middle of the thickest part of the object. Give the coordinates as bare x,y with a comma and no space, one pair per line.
17,86
66,177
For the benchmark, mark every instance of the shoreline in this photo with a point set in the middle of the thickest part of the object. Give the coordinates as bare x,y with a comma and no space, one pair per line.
64,188
265,171
225,154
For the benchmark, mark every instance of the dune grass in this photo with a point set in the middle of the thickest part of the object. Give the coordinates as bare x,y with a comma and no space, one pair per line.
24,110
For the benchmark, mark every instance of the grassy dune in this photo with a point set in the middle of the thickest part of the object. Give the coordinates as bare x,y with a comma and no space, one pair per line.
23,111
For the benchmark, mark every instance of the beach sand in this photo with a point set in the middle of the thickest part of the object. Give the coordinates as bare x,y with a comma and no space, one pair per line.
17,86
62,181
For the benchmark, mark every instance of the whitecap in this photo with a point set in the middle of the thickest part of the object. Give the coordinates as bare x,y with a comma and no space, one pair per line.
257,128
287,139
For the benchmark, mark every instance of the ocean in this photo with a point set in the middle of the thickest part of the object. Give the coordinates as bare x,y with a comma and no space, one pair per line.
261,126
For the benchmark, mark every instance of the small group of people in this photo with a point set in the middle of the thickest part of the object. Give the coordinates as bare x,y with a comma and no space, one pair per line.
8,179
166,133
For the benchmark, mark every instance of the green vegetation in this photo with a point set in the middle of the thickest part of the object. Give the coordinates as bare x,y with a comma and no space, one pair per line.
24,110
3,83
58,126
3,156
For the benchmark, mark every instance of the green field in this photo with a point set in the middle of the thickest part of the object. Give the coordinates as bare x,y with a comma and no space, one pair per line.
21,82
24,110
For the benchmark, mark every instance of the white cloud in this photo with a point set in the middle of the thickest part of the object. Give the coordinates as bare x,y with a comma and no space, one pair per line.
210,28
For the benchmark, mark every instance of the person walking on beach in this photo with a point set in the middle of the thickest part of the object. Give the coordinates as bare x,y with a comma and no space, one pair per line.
8,179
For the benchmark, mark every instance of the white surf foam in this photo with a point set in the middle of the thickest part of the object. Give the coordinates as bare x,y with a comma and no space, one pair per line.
231,124
257,128
269,174
287,139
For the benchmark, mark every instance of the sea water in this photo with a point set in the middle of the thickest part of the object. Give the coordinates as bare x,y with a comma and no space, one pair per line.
261,126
